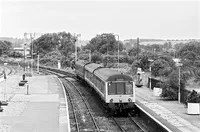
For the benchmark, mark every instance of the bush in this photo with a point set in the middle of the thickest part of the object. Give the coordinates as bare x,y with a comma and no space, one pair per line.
65,62
109,61
15,54
123,59
169,92
84,57
159,85
184,95
96,57
130,59
51,59
193,97
4,56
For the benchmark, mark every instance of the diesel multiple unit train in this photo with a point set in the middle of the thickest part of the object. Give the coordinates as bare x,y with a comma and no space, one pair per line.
116,90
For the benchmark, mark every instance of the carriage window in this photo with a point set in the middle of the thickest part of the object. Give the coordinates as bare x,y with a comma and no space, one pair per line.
129,88
120,88
102,87
111,89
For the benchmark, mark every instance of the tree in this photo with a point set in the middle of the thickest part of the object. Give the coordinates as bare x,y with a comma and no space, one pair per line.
62,41
135,66
189,47
5,47
15,54
51,58
96,57
190,55
104,43
143,63
134,51
171,86
90,47
158,66
128,45
167,45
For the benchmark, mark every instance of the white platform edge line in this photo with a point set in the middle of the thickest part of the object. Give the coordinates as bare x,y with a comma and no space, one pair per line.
67,112
154,119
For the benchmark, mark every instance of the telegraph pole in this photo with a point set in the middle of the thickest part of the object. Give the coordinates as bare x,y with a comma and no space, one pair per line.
118,49
138,48
32,37
25,37
89,55
4,102
38,63
31,53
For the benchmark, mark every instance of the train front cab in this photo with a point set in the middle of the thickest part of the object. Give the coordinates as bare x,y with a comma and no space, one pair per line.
120,95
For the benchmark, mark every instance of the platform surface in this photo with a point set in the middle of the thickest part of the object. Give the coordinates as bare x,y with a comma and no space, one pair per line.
38,110
171,114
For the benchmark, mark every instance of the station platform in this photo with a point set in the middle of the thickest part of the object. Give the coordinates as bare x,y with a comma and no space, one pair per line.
170,114
41,108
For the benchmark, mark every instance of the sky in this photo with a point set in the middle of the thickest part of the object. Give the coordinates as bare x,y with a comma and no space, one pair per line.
129,19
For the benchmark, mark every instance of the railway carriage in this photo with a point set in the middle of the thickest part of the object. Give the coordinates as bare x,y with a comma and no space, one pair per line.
80,69
92,80
116,89
119,89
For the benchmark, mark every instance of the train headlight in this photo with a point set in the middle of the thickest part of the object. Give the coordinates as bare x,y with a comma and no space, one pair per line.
111,100
129,100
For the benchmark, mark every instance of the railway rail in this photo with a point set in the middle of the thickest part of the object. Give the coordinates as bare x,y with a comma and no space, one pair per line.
83,119
127,124
80,109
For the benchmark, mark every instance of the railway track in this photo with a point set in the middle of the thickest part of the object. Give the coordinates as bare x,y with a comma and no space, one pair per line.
105,123
83,115
82,118
127,124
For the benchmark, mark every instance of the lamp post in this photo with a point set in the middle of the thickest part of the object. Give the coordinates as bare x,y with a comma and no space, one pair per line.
154,50
138,41
150,73
4,102
76,35
179,81
118,49
24,58
38,63
178,64
90,56
150,77
31,52
32,37
25,37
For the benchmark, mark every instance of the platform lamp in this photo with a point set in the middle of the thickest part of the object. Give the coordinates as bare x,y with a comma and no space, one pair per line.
179,80
76,35
118,49
4,102
25,37
179,64
32,36
151,61
38,62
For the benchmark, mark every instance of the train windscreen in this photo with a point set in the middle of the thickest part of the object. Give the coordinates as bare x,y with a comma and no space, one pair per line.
120,88
129,88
